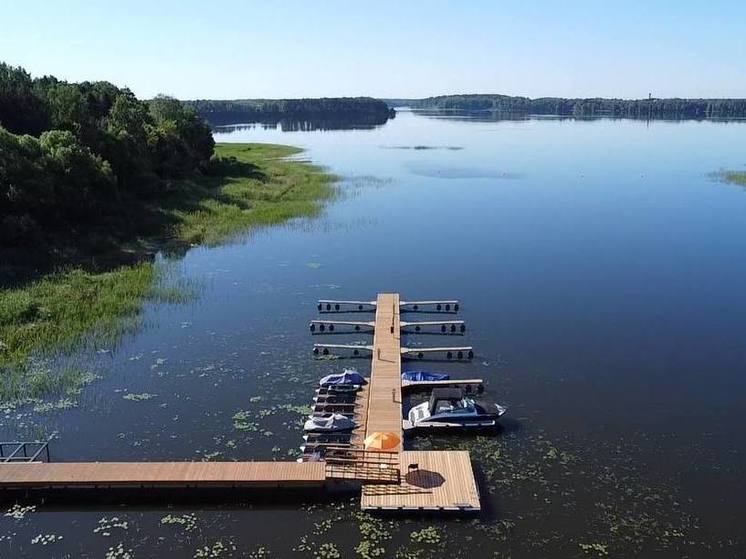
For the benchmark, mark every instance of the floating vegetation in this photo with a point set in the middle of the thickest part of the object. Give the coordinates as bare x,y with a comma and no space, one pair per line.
19,512
61,404
373,533
430,535
260,552
118,552
218,549
313,265
302,410
595,549
45,539
629,514
327,551
107,525
139,397
186,521
320,528
242,422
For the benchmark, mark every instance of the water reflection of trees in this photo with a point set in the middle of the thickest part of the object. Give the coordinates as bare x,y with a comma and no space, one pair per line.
233,122
498,116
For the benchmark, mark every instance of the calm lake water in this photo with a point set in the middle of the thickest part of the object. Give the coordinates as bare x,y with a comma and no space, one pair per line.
601,271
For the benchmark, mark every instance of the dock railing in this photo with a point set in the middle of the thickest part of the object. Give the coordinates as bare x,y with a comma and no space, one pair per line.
24,451
370,466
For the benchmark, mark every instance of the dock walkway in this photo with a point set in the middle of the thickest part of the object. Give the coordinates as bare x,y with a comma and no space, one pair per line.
384,392
162,474
429,480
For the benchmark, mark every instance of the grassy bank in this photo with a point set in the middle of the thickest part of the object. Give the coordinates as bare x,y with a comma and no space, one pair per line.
252,185
255,186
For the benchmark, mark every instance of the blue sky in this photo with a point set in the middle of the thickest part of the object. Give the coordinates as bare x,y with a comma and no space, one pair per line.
312,48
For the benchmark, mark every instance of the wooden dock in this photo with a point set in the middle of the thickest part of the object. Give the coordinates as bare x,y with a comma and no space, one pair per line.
162,474
384,400
396,480
433,480
442,481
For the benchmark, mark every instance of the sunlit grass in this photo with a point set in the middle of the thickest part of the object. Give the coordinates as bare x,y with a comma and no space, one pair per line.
263,189
57,310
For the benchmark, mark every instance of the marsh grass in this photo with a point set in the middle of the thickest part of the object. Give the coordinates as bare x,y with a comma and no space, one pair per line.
56,311
251,185
734,177
256,185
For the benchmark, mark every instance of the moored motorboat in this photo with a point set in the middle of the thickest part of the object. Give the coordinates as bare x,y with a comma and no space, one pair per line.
454,408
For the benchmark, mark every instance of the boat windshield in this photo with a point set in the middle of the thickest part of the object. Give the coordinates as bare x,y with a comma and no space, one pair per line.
455,406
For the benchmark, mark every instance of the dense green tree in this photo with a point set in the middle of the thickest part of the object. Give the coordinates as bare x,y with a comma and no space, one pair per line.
82,179
22,111
181,142
24,186
71,153
67,107
126,143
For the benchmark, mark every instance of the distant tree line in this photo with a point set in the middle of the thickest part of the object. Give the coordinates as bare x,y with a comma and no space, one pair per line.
71,153
623,108
364,109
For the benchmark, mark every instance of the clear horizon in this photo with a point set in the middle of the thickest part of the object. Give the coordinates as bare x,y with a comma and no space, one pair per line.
254,50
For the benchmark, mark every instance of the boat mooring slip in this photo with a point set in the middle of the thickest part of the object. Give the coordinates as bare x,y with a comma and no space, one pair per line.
354,434
456,488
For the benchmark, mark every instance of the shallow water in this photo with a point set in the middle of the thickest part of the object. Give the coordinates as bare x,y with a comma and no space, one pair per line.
601,272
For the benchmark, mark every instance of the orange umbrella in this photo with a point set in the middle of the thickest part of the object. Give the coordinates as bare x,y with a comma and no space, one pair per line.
382,441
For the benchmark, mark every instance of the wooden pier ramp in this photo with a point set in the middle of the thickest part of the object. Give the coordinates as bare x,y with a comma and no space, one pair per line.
429,480
384,400
42,475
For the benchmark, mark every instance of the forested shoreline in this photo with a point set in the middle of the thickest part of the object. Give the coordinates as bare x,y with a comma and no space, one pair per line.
364,110
79,160
93,183
588,107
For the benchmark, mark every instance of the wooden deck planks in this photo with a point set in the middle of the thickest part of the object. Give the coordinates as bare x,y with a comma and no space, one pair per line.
161,473
444,481
384,400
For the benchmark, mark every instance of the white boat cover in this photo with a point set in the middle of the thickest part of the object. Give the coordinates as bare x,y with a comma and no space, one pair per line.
334,422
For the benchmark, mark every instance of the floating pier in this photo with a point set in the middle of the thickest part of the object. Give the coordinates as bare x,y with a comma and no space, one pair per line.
397,479
144,475
429,480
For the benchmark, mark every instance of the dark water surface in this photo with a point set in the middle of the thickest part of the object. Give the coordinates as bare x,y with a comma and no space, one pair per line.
601,271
